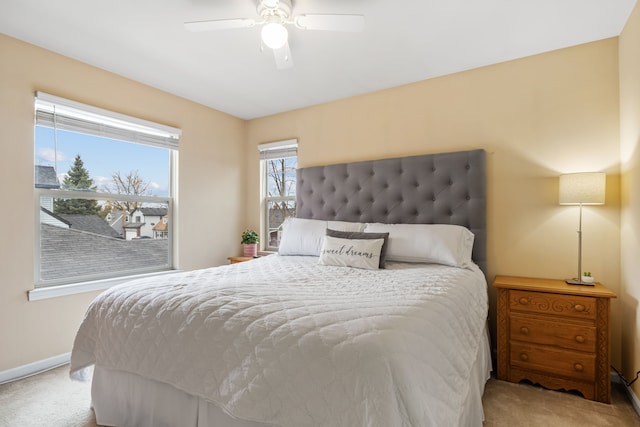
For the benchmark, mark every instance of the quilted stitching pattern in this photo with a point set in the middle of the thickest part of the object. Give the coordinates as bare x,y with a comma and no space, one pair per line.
285,341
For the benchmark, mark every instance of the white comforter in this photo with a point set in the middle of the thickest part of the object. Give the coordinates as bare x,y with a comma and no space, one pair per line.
286,341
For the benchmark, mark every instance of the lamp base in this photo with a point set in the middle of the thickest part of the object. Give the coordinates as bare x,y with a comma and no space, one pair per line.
575,281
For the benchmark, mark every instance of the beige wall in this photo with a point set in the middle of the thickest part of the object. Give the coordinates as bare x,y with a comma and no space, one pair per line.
536,117
210,184
630,190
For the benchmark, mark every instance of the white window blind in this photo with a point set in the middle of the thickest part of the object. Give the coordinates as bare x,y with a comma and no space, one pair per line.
63,114
279,149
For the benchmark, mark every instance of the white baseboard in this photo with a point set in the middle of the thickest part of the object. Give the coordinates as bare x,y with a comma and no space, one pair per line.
632,396
34,368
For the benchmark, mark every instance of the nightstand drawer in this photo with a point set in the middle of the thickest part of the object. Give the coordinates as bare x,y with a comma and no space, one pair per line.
566,363
550,332
550,303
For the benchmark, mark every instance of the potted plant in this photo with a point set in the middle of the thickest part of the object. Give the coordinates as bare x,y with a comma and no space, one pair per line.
250,243
587,278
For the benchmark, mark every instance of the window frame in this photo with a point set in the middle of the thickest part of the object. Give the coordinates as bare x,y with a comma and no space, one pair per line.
273,151
162,136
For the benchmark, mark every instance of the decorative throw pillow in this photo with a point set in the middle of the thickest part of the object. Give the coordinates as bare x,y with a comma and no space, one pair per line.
358,253
364,236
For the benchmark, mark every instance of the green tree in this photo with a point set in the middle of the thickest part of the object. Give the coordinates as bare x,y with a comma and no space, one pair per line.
77,179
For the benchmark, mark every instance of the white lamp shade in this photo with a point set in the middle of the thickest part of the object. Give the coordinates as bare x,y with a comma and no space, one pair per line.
274,35
587,188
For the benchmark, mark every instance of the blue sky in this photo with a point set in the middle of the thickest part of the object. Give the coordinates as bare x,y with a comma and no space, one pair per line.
103,157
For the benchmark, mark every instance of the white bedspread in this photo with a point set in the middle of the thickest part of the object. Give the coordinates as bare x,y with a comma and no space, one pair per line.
286,341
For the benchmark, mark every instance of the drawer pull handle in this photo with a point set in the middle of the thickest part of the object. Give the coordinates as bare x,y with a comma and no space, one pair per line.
524,330
578,367
524,357
580,339
523,301
578,307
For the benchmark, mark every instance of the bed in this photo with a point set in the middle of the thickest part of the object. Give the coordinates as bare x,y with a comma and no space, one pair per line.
317,335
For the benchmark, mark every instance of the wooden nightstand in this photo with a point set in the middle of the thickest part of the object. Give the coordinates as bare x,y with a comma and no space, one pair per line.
554,334
236,259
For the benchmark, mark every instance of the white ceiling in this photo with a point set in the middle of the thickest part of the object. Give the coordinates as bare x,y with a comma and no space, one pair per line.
403,41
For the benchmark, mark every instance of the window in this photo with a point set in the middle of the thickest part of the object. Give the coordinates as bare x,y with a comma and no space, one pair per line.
94,171
279,164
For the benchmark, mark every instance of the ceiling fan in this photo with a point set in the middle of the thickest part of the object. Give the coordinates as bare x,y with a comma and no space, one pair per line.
274,15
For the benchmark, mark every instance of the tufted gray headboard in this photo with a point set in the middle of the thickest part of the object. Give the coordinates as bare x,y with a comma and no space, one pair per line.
445,188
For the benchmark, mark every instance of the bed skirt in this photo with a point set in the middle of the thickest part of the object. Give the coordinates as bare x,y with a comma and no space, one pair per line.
123,399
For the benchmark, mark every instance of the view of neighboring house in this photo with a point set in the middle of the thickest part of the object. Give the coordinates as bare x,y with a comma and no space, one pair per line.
161,229
45,177
277,215
152,223
117,220
90,224
78,253
77,245
147,223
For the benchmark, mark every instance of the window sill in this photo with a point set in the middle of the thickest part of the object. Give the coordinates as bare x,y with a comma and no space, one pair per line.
95,285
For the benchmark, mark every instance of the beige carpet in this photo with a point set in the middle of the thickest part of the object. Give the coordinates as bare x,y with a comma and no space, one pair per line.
524,405
51,399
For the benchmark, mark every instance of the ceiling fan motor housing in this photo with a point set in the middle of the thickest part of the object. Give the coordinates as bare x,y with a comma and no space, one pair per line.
274,8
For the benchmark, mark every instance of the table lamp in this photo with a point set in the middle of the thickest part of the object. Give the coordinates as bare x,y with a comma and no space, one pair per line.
585,188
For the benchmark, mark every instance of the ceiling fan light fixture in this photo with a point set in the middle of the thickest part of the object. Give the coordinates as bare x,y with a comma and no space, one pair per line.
274,15
274,35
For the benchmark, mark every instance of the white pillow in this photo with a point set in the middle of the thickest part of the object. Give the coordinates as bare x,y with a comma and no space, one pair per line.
305,236
358,253
302,236
357,227
427,243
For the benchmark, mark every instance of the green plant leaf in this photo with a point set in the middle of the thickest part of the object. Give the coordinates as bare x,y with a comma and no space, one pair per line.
249,237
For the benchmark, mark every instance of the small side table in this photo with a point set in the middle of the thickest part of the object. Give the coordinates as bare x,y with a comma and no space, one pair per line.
236,259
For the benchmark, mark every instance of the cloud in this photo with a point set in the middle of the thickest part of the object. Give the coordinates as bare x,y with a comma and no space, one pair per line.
101,181
157,189
49,155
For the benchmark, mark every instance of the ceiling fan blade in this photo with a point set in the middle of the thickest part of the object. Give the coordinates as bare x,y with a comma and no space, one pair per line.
219,24
348,23
283,57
